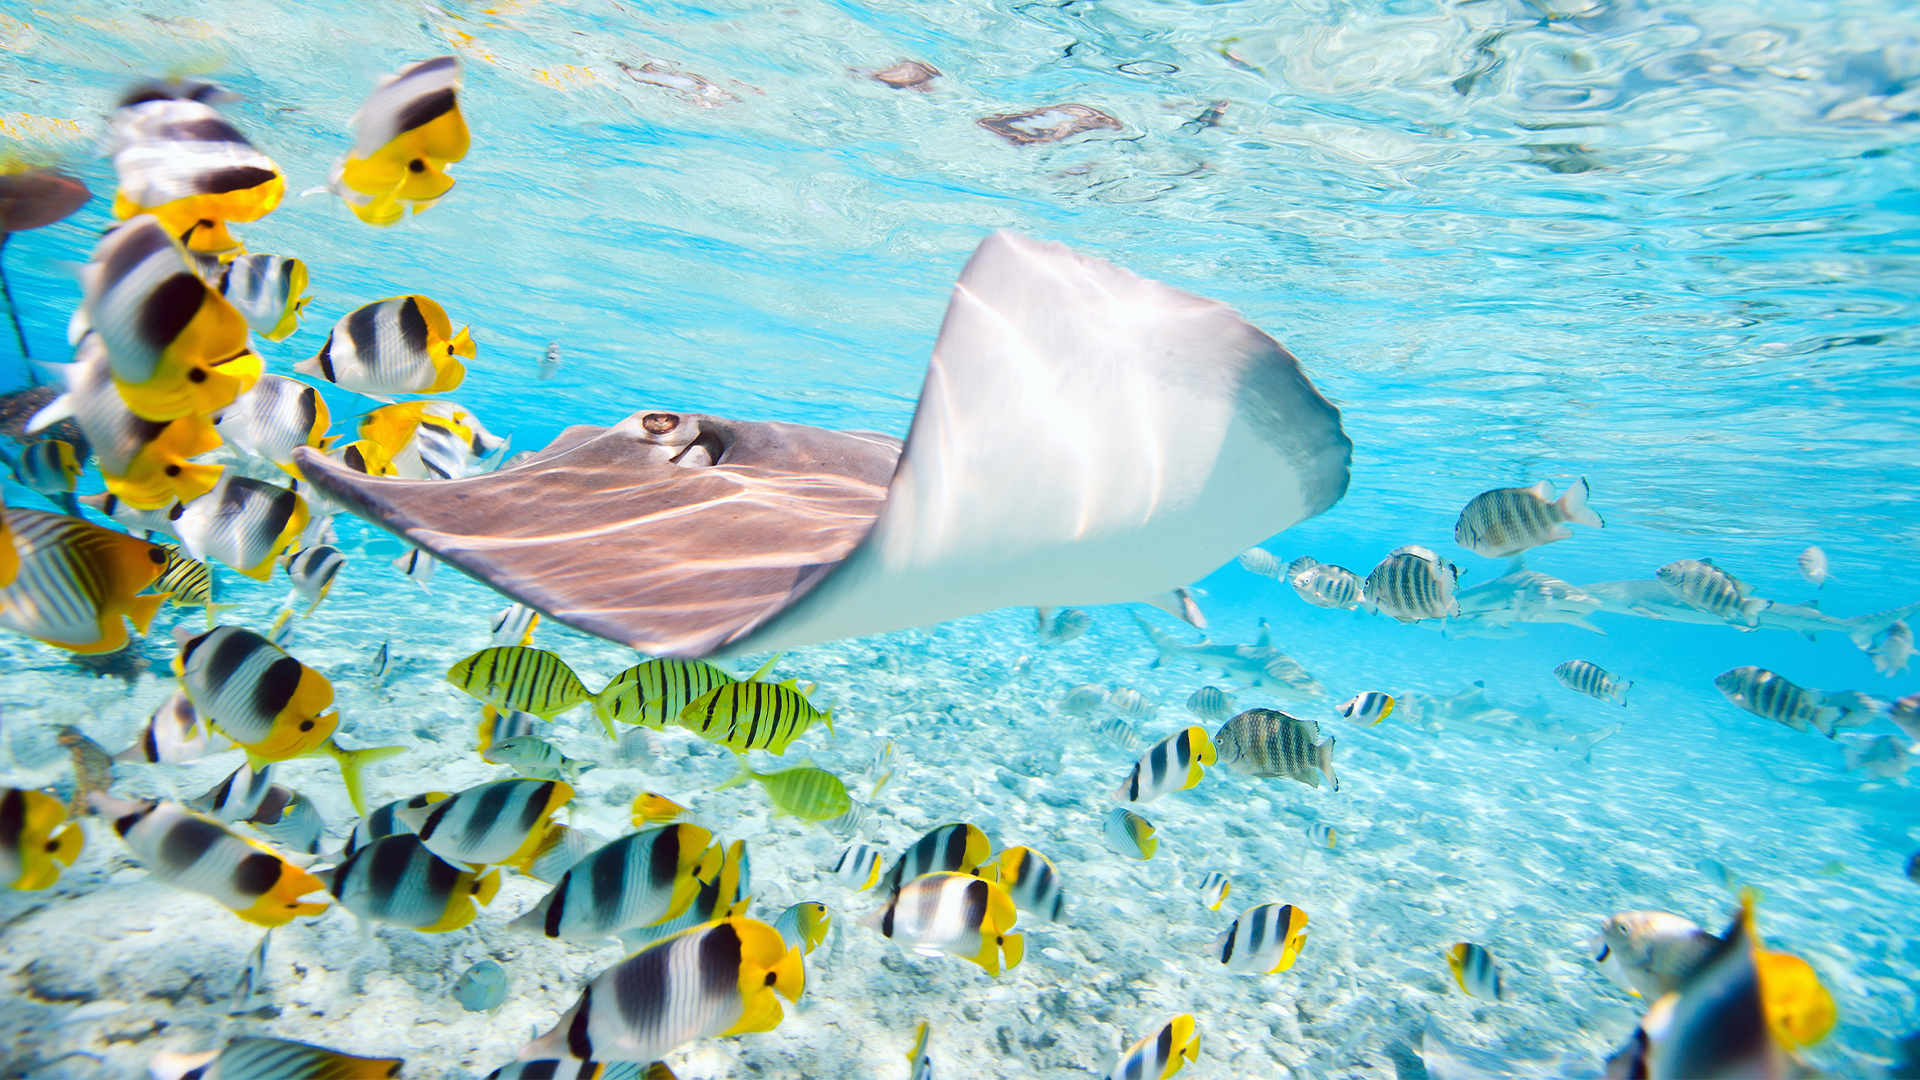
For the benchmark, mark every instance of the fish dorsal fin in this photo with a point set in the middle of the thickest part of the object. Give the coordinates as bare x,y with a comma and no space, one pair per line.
1814,604
1543,490
1174,436
766,667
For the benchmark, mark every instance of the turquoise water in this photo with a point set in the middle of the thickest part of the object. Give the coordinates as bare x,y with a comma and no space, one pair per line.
1669,248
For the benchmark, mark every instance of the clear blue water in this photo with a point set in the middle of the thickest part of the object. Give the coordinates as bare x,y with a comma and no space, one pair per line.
1666,247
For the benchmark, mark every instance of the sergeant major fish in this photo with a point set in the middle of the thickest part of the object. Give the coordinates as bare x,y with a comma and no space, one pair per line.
1325,585
1593,680
1268,743
1764,693
1412,583
1707,587
1508,521
1210,703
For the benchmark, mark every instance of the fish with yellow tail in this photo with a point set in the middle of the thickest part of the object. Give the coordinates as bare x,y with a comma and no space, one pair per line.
957,914
49,467
653,808
920,1059
858,866
808,793
501,822
312,572
720,895
406,134
520,679
265,290
400,345
1214,890
1129,834
243,522
1172,764
958,847
175,735
718,979
515,625
1030,878
431,440
36,839
638,880
1474,969
182,162
804,925
146,464
270,704
396,881
1369,708
189,583
198,853
175,347
283,1059
754,715
1262,940
1161,1054
272,418
1743,1012
76,585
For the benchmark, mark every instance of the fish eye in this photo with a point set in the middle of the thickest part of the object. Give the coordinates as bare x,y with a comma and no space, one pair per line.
772,978
157,555
54,845
196,375
417,165
173,470
306,725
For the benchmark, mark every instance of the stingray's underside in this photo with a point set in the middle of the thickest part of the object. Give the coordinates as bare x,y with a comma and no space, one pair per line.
1083,436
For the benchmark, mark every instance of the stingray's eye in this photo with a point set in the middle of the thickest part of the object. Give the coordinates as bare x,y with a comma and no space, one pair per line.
659,423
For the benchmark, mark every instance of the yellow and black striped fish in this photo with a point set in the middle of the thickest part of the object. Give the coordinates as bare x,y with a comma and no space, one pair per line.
409,130
181,161
518,678
266,290
753,715
400,345
199,853
188,583
76,582
243,522
176,347
34,835
656,691
48,467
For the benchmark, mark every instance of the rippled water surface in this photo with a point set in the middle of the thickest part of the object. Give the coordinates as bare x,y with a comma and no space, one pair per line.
1667,247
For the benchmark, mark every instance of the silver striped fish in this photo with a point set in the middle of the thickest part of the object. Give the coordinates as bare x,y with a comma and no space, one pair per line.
1508,521
1324,584
1593,680
1161,1054
1260,561
1121,732
398,881
254,1055
684,988
1131,702
175,735
499,822
1764,693
957,914
1210,703
958,847
1129,834
243,522
1031,880
1172,764
386,821
858,866
1705,586
1262,940
400,345
270,420
1473,968
1267,742
1412,583
265,290
236,798
635,881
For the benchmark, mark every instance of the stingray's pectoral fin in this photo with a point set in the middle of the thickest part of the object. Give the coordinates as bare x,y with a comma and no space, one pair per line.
673,533
1084,435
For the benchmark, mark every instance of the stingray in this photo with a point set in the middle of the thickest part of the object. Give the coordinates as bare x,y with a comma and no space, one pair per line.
1083,436
33,199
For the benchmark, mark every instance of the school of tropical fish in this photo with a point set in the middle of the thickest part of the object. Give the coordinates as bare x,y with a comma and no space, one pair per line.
199,449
